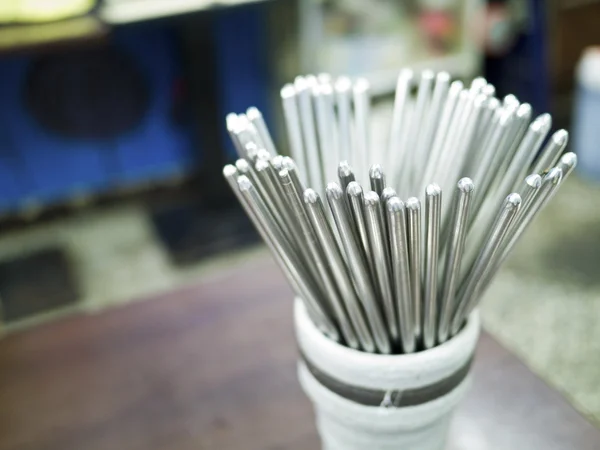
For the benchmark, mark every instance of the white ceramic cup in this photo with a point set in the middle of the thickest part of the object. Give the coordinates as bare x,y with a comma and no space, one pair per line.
366,401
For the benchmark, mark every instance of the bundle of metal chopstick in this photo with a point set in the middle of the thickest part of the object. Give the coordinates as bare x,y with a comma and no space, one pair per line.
391,251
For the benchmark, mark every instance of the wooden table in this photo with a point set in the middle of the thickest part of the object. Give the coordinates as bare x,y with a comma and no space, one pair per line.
212,366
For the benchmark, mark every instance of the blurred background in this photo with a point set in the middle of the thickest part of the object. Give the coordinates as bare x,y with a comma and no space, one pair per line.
112,141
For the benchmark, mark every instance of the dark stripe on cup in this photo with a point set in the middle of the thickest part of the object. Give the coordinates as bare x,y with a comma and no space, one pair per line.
391,398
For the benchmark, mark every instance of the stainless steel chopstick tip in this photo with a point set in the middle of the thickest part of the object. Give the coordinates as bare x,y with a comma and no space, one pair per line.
345,174
244,183
387,193
542,123
554,176
466,185
324,78
243,166
561,137
287,91
513,201
310,196
433,190
231,121
288,163
361,85
263,154
428,74
354,189
488,90
442,77
413,204
567,162
251,151
394,204
534,180
261,164
343,85
229,171
334,191
253,113
344,169
376,171
377,179
510,100
277,162
371,198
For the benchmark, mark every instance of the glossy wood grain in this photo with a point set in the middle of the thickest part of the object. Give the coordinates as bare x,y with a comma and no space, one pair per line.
212,366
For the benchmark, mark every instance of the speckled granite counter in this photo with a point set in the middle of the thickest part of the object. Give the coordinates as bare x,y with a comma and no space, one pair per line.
545,303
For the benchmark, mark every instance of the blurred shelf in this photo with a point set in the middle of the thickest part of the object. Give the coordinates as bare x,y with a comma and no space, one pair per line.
15,38
118,12
390,38
52,34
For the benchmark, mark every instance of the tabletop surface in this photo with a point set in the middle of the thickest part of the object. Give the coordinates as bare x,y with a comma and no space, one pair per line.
212,366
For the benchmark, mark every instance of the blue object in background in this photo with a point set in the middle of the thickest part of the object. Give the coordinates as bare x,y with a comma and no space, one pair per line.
586,117
48,167
586,132
525,70
40,164
160,146
48,164
242,63
13,185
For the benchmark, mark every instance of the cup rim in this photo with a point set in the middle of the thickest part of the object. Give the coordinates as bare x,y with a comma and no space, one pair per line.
380,371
